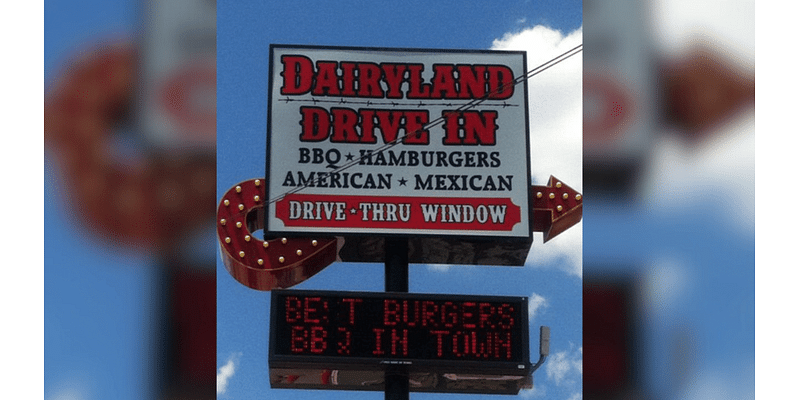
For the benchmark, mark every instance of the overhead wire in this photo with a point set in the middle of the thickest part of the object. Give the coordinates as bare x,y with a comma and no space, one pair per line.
432,124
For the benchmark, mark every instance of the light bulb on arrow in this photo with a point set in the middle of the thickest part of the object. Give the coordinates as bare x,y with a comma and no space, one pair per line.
556,207
265,264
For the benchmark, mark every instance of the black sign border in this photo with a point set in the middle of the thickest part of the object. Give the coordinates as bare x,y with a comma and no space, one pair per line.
417,365
461,234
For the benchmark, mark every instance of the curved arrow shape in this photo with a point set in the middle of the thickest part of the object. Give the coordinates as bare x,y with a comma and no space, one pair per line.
265,264
138,202
285,262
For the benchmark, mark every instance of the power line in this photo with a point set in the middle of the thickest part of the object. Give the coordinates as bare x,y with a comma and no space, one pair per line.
466,106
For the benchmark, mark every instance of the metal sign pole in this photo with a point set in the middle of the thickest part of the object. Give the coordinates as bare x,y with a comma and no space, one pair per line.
396,275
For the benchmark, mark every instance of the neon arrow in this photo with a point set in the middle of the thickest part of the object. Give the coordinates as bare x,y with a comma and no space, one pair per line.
284,262
703,89
556,207
265,264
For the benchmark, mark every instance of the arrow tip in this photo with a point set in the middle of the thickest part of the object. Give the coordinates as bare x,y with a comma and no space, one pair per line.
557,207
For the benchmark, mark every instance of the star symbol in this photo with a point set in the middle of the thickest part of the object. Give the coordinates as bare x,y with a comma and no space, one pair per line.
403,181
349,156
353,210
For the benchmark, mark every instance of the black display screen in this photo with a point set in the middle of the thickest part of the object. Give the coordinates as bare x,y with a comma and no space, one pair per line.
397,327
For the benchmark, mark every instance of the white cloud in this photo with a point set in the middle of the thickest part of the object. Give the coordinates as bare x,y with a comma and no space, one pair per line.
565,251
69,393
565,368
535,302
727,24
439,267
666,283
225,372
556,118
576,396
710,384
556,103
536,392
721,173
73,388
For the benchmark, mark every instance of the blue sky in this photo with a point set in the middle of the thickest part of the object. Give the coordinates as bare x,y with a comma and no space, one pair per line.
690,254
552,277
96,297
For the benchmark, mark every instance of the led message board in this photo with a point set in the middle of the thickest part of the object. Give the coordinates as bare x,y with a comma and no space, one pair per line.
397,141
340,330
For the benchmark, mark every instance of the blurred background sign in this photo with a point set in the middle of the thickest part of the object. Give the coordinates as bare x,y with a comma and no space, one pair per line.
702,89
668,127
130,131
618,93
177,85
178,73
613,342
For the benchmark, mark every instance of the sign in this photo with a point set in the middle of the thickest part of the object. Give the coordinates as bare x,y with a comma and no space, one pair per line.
282,262
610,334
388,141
351,330
178,74
619,96
607,110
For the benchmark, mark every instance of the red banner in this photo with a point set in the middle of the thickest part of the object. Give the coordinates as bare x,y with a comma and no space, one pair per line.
385,212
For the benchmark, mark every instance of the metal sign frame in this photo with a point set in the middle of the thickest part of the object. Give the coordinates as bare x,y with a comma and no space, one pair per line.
397,142
518,366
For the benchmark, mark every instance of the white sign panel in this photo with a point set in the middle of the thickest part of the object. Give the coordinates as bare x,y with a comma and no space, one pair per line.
389,141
